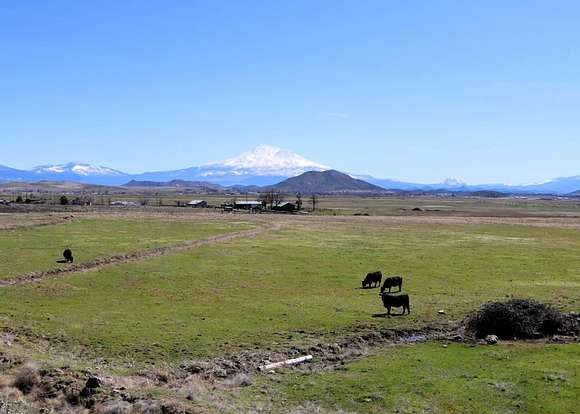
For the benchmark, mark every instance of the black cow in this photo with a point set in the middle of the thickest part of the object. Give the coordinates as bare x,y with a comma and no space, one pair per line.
396,301
68,257
391,282
373,279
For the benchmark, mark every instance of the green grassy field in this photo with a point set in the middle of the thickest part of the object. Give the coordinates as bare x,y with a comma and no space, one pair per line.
427,378
293,286
38,248
297,284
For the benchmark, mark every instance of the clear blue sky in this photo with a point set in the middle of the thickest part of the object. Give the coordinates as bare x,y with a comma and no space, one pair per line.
488,91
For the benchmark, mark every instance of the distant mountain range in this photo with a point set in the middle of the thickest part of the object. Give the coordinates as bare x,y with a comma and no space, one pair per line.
263,166
79,172
310,182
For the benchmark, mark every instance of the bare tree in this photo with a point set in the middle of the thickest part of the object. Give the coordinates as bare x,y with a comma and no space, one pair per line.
298,201
314,201
267,199
278,198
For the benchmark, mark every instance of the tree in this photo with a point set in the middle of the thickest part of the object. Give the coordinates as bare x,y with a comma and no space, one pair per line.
63,200
267,199
314,201
19,199
271,198
298,201
278,198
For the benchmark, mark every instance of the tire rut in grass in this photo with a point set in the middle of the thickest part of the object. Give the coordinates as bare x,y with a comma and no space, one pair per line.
206,376
33,225
203,378
327,355
132,256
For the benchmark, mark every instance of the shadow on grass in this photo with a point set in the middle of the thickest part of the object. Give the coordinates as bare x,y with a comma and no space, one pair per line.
386,315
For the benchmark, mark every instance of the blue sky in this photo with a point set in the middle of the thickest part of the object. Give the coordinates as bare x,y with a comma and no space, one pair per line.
415,90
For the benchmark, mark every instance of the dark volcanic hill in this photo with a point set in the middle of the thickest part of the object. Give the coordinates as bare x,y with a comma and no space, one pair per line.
326,182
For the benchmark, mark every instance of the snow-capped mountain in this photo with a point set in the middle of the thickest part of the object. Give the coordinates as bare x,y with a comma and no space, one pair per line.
264,160
77,169
453,183
264,165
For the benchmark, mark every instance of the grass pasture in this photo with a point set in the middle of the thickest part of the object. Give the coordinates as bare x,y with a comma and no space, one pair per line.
526,378
240,294
37,248
298,284
450,206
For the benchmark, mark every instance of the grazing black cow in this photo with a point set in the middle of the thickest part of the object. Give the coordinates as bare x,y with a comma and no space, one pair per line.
396,301
391,282
68,257
373,279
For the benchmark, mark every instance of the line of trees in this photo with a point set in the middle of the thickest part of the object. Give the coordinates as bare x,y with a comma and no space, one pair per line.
272,198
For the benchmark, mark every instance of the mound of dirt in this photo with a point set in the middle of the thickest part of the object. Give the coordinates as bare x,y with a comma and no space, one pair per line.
521,319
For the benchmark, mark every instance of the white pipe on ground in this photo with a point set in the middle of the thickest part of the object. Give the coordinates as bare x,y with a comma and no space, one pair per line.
294,361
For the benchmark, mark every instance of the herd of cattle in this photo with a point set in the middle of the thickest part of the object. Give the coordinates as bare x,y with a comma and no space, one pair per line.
374,279
371,280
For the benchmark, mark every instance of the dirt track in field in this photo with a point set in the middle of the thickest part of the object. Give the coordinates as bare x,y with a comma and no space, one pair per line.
133,256
35,221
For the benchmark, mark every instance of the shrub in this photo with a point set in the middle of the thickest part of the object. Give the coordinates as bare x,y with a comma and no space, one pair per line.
518,318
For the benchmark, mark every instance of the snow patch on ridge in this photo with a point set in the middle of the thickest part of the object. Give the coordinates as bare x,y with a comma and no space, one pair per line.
76,168
454,182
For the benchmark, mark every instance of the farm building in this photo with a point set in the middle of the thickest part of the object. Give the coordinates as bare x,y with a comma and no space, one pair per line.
248,205
197,204
124,203
284,206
